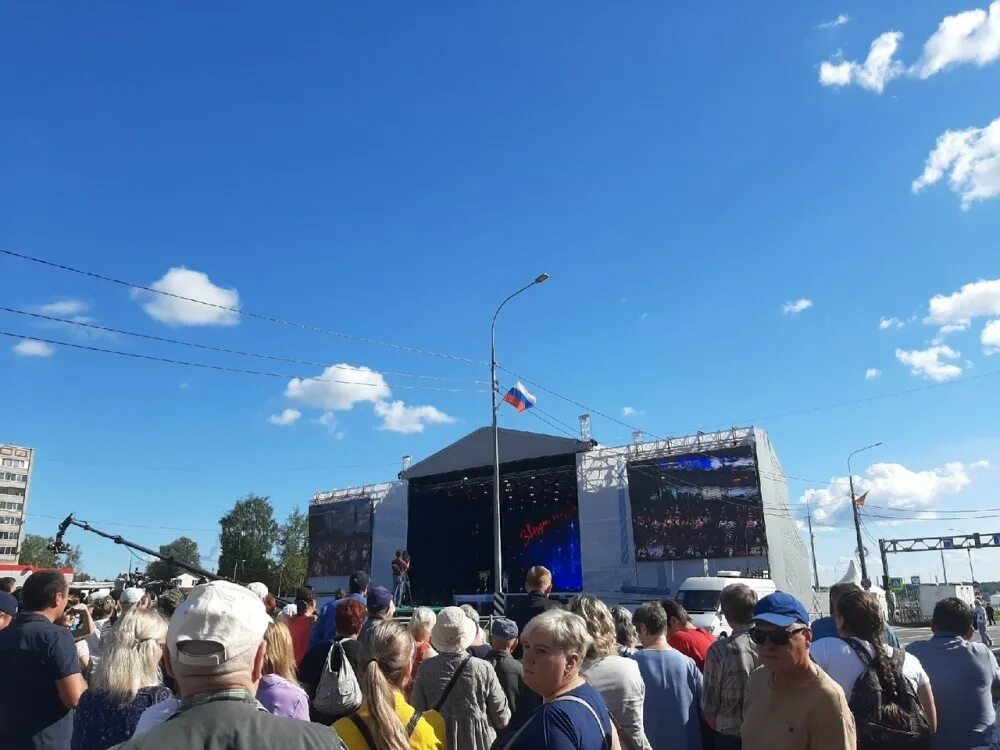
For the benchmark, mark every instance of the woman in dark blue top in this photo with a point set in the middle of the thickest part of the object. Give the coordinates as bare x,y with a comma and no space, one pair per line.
125,683
573,715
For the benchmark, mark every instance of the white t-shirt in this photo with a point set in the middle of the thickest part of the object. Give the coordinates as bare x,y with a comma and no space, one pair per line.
838,660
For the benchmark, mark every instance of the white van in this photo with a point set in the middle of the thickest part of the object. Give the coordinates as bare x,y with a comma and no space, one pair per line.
701,598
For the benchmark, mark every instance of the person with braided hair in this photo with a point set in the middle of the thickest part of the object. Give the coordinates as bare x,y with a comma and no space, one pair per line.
385,720
861,628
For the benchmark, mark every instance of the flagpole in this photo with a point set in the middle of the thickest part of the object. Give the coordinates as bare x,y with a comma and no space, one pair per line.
494,392
857,515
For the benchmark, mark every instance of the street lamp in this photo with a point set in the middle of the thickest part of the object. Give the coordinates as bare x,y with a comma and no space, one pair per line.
495,392
857,516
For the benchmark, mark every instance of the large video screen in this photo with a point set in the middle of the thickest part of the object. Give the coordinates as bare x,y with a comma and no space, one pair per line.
698,505
452,522
340,537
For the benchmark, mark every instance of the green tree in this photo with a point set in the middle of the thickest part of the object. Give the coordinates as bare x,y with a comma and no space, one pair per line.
293,551
182,549
248,537
35,551
82,577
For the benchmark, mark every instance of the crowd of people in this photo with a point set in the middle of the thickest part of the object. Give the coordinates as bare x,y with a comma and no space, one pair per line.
228,667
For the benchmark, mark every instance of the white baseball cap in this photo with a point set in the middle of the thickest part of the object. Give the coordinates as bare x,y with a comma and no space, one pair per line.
131,596
260,589
224,619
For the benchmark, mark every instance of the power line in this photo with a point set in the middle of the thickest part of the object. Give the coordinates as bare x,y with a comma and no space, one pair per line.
223,350
139,467
223,368
129,525
239,311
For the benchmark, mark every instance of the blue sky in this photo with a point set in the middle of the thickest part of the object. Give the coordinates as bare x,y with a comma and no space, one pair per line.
392,173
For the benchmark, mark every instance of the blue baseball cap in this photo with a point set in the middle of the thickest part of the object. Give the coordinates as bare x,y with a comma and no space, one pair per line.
504,628
781,609
379,598
8,603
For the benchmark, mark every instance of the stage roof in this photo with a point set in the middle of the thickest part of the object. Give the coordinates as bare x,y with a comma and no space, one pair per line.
476,449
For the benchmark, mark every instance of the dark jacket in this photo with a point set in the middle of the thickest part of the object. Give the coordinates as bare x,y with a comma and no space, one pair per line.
233,725
511,675
526,608
533,604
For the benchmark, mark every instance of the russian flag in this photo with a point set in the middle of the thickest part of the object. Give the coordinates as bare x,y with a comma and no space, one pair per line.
519,398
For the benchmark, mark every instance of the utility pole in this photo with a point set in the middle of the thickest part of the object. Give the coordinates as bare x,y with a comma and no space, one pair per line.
498,592
857,516
812,545
944,568
971,571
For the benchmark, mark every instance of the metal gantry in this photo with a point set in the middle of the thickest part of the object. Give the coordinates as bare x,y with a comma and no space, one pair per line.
972,541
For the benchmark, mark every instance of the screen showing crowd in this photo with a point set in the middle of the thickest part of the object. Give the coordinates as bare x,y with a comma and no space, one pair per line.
340,537
698,505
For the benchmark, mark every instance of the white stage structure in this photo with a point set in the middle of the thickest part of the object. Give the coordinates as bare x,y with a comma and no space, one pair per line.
610,568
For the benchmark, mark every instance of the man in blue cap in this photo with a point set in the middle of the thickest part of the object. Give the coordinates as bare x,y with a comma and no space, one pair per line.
503,641
791,704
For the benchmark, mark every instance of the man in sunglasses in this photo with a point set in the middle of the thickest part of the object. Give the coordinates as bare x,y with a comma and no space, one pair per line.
791,704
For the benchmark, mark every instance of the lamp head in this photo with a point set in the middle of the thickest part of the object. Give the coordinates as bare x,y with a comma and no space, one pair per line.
542,277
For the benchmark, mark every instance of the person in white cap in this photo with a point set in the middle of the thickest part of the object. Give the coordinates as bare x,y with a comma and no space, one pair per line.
260,589
215,651
133,597
463,689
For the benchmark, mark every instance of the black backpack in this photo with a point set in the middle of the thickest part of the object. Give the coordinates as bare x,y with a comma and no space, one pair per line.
887,720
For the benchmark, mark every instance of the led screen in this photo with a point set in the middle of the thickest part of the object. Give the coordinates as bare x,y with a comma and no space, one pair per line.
699,505
340,537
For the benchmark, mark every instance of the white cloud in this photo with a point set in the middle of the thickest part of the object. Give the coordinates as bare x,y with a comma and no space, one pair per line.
339,388
184,385
179,312
972,300
991,337
794,308
287,417
643,316
981,464
872,372
891,486
838,21
927,362
398,417
629,411
886,323
327,419
32,348
874,73
63,308
970,158
969,37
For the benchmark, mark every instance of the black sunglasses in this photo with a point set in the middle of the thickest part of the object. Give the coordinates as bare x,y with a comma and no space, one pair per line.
776,637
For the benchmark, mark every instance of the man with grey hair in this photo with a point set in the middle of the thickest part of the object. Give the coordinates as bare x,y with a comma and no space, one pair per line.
728,665
215,651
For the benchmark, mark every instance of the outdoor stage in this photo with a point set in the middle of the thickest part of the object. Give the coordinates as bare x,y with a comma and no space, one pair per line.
621,522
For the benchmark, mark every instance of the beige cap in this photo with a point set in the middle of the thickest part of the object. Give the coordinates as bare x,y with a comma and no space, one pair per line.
217,622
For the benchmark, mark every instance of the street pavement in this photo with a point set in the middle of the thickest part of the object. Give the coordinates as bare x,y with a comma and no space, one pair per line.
908,635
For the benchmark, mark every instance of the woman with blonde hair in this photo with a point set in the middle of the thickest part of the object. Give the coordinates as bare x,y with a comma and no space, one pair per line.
125,682
615,677
279,692
385,720
573,713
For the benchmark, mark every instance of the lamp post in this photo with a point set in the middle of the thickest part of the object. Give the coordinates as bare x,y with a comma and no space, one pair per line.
857,516
495,392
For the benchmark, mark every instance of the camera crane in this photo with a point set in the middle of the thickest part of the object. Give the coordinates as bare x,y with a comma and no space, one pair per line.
58,546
